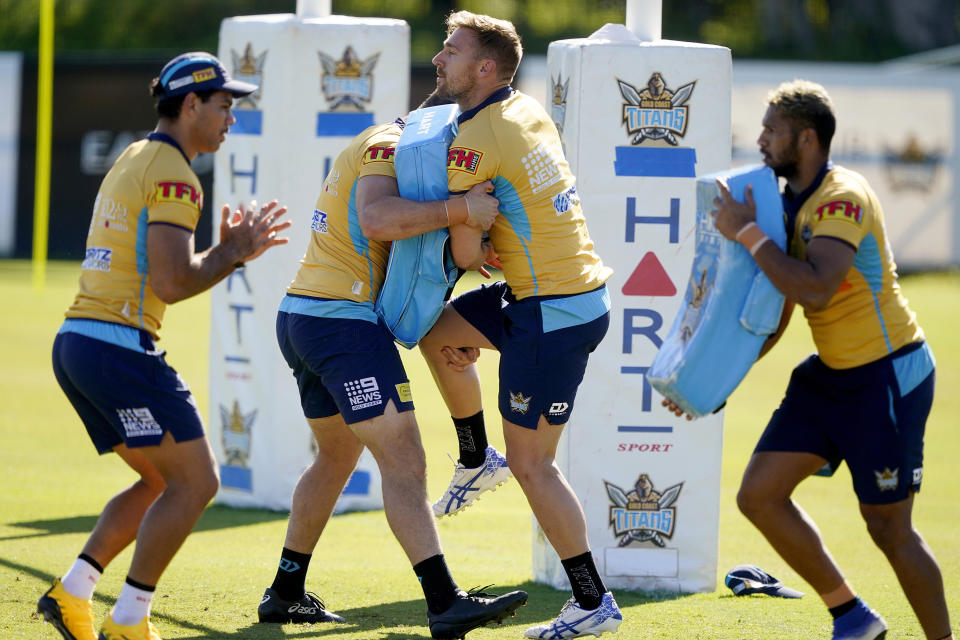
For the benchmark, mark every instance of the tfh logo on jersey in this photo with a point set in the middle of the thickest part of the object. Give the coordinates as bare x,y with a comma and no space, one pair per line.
642,514
363,393
840,210
347,83
464,159
378,153
248,68
182,192
655,112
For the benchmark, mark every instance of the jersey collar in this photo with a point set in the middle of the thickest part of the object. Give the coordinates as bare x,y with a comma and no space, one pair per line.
792,203
163,137
500,94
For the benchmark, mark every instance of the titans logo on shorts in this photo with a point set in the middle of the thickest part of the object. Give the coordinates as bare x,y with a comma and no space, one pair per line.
121,394
544,343
872,416
344,366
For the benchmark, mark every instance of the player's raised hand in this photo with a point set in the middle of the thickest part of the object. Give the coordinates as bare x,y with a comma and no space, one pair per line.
249,230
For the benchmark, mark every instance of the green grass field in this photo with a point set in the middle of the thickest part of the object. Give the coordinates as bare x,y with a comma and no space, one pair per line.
54,485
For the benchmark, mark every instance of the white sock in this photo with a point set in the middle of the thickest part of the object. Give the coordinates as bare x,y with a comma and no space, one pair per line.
133,605
81,579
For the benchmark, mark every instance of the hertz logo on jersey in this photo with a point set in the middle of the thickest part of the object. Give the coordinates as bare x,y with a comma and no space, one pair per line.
378,153
174,191
841,210
464,159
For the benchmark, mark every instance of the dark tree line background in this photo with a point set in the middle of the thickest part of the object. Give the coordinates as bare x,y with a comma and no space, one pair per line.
837,30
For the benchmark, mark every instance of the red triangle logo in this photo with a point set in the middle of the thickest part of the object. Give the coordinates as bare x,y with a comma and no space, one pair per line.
649,279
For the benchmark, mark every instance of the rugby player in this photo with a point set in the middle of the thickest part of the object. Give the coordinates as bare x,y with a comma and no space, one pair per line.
140,257
353,388
865,395
545,319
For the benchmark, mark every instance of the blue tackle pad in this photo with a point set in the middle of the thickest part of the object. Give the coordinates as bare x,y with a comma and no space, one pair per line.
730,307
421,272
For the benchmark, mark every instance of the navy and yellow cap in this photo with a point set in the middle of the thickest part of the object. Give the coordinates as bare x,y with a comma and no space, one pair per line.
199,71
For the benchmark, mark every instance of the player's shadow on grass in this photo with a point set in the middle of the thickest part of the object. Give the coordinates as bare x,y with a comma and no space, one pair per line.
392,618
214,518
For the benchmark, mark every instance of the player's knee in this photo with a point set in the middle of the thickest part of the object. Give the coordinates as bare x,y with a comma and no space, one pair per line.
527,468
888,531
206,484
751,500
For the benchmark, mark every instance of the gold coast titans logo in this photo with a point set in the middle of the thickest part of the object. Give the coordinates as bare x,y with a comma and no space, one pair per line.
236,434
249,68
642,514
347,83
558,101
655,112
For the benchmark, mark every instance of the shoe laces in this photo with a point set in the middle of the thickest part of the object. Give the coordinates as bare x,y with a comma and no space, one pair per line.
478,592
315,599
566,605
456,463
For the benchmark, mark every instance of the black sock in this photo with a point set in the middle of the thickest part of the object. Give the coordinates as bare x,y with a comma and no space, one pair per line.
93,563
585,580
291,574
139,585
841,609
438,586
472,438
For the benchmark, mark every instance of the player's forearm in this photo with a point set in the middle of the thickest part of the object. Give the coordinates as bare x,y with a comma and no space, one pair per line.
395,218
201,272
467,247
798,280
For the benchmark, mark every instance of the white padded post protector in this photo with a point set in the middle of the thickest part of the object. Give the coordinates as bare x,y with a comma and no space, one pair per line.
322,80
640,121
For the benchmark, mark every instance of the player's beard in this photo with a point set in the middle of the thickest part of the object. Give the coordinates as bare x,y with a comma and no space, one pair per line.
785,166
455,90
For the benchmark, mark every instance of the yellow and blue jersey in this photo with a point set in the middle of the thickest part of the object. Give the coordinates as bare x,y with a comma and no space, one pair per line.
341,263
150,183
868,317
541,234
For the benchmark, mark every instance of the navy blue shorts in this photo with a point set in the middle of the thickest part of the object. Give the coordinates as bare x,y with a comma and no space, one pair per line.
872,416
123,395
544,343
344,366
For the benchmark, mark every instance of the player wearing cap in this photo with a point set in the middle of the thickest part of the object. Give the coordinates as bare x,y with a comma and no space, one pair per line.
139,258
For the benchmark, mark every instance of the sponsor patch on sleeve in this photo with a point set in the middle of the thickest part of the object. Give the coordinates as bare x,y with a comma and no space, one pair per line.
378,153
464,159
840,210
181,192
